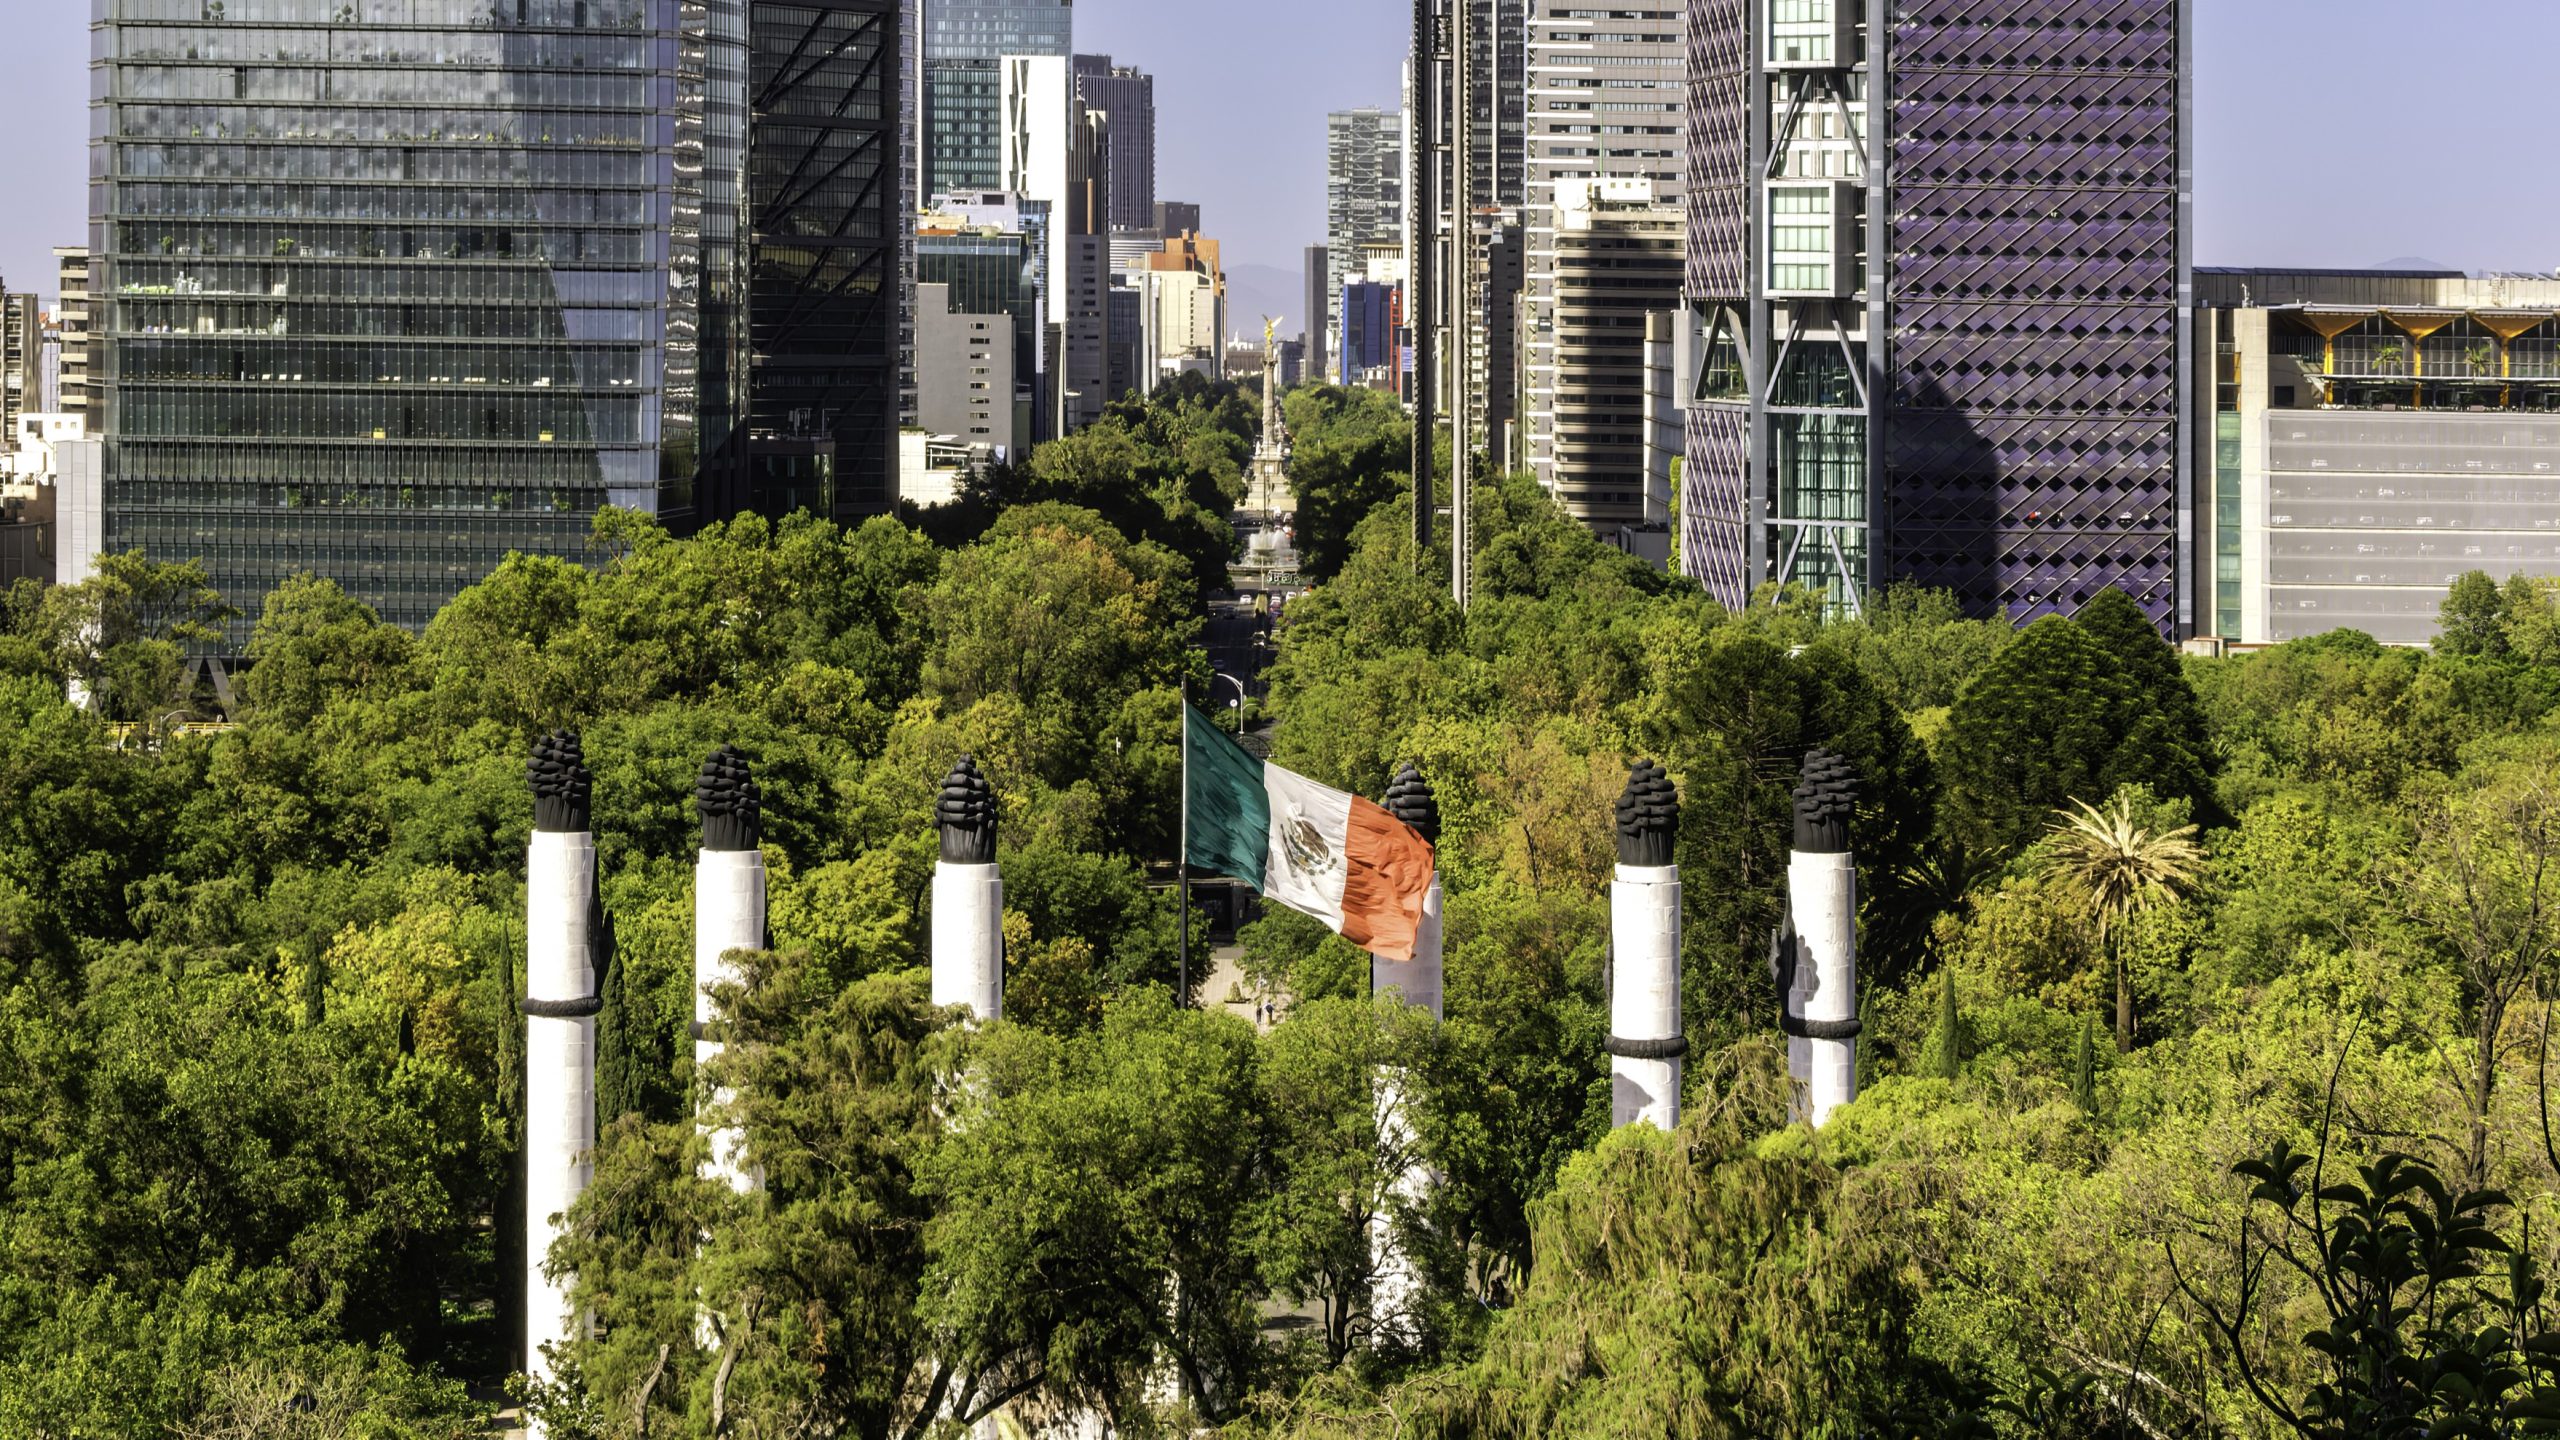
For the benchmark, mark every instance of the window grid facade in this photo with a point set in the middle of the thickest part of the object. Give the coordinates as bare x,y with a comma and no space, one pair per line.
387,302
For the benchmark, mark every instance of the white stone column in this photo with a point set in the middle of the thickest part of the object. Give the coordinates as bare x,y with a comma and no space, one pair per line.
968,938
1395,1290
1644,998
1819,947
1822,894
968,897
1416,981
560,1008
728,918
1645,1041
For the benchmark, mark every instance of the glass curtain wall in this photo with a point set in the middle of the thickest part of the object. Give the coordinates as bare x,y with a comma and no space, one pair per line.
386,299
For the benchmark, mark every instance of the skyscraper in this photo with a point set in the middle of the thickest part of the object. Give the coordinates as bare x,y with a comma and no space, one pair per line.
1364,193
1604,103
963,90
1617,258
993,260
1500,95
825,196
1128,96
1056,149
1965,375
443,314
394,301
1316,272
21,360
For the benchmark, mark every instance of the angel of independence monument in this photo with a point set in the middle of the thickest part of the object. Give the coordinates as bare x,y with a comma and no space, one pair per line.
1270,504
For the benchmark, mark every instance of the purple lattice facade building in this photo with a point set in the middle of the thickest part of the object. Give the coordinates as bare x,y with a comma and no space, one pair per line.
1940,285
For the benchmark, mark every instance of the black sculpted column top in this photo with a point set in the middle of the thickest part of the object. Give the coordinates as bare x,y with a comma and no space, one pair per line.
967,815
732,806
1409,799
1826,796
1648,817
563,791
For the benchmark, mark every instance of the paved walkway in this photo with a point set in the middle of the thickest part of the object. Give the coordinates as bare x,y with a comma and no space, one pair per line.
1226,976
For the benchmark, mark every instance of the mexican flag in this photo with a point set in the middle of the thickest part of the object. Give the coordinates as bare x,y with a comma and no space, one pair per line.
1337,857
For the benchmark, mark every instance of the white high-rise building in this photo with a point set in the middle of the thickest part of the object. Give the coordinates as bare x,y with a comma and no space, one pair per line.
1606,103
1364,194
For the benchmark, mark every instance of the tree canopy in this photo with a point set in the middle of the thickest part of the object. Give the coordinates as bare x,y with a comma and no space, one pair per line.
261,1067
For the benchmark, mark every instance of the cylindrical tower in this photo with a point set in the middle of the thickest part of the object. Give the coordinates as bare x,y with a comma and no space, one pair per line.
1645,1041
1396,1290
728,917
1818,957
560,1008
1409,799
968,897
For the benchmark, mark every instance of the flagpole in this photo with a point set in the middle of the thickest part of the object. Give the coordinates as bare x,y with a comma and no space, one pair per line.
1182,861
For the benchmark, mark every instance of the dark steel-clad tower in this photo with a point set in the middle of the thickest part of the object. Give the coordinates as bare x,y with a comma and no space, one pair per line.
823,197
1938,262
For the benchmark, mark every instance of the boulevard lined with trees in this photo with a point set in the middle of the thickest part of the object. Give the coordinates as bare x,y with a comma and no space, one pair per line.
2203,1077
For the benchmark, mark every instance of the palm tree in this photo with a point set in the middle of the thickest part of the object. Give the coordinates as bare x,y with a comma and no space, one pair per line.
2121,870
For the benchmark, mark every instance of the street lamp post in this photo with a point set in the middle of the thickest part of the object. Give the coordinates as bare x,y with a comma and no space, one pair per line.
1217,675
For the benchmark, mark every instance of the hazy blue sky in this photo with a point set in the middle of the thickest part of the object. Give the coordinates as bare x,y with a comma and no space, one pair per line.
2330,132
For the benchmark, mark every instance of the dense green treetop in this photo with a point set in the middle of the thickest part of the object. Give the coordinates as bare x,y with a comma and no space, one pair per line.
260,1065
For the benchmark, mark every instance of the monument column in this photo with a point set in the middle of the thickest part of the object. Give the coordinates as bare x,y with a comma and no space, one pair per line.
1818,957
1645,1042
968,897
1417,980
728,917
560,1008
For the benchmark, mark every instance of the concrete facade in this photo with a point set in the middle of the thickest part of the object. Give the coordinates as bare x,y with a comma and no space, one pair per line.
964,373
1615,259
2363,438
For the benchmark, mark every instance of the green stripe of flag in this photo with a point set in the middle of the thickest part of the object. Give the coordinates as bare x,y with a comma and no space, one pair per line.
1229,825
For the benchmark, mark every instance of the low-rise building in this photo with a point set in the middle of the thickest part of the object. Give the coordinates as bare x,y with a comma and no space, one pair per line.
50,511
2365,437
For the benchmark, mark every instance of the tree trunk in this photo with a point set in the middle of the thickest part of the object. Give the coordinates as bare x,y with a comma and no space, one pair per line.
2484,1079
2124,1000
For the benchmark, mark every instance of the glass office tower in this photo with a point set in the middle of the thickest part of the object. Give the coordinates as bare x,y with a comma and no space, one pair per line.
1939,269
963,91
385,301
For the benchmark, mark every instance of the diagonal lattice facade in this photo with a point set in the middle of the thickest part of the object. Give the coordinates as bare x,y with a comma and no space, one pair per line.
1715,530
823,192
2030,449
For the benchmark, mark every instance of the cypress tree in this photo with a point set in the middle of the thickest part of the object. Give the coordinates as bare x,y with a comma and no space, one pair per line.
623,1051
2084,1071
1950,1033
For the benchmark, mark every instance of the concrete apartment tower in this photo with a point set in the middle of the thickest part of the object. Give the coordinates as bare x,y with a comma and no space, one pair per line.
1603,176
968,897
1364,190
562,920
1939,340
728,917
1645,1041
1818,953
